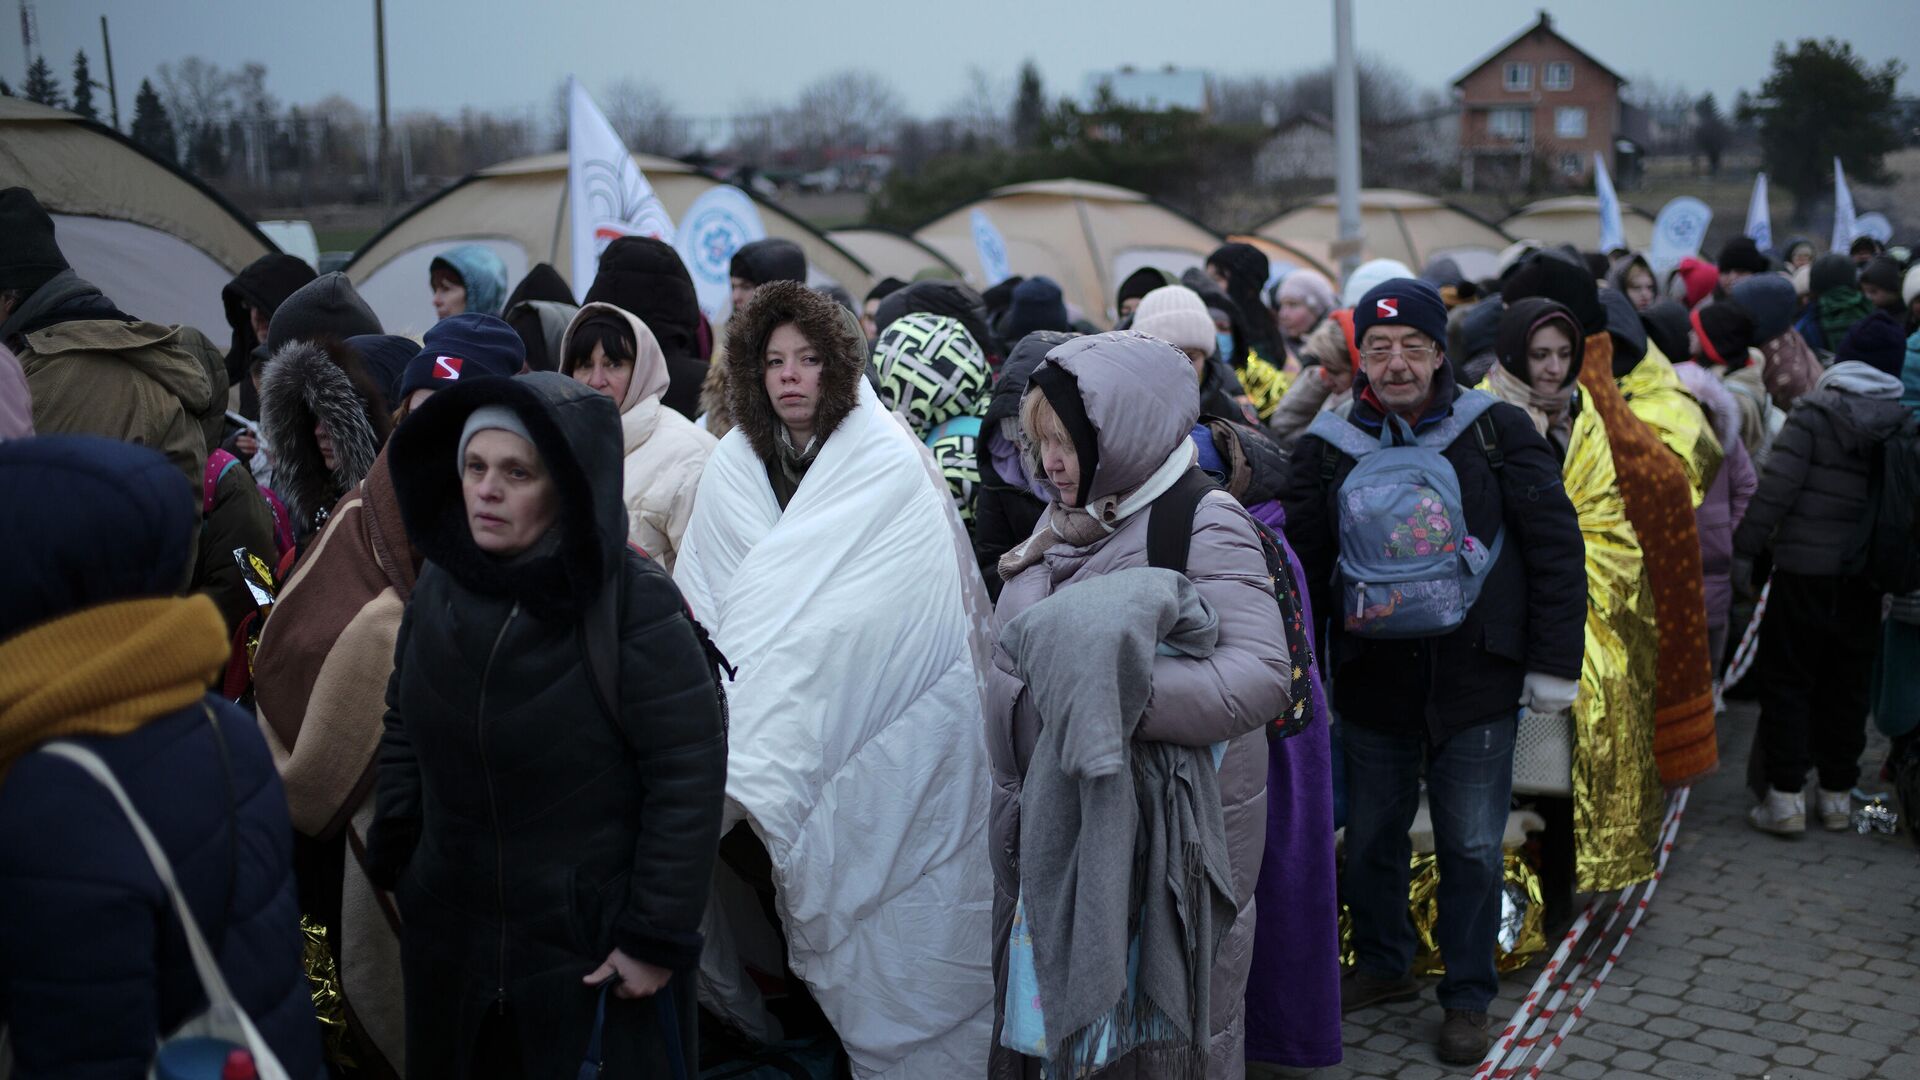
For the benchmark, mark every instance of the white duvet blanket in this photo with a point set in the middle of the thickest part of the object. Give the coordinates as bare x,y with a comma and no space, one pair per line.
856,751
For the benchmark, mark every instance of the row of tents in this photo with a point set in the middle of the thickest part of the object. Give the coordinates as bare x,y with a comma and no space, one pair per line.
162,244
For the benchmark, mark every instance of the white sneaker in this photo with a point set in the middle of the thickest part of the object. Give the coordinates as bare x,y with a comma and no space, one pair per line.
1836,810
1782,813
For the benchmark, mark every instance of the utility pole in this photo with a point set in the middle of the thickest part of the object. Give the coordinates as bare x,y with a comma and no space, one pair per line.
1346,139
113,91
380,68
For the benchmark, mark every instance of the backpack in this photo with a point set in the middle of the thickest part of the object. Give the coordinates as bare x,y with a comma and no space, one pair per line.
1407,567
1170,541
1888,548
219,463
598,633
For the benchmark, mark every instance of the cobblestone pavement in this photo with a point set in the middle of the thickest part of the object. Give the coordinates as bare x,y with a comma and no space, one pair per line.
1758,956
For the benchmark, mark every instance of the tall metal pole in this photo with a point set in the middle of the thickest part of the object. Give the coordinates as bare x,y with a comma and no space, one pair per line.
113,90
380,68
1346,138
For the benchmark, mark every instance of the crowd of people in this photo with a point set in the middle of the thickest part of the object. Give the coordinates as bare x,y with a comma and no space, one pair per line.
933,686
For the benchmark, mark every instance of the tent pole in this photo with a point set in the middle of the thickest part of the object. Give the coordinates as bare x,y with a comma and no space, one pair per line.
1099,260
559,222
113,91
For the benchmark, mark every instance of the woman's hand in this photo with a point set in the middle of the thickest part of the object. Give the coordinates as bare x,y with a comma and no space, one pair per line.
638,979
246,444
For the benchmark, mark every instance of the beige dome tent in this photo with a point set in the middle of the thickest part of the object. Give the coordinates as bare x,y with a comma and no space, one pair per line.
1403,225
157,242
1575,219
892,254
1086,236
518,208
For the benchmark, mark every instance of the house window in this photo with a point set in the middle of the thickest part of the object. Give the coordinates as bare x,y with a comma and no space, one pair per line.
1570,123
1519,76
1570,164
1515,124
1557,76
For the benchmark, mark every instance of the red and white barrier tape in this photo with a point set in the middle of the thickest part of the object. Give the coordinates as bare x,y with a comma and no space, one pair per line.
1749,643
1509,1045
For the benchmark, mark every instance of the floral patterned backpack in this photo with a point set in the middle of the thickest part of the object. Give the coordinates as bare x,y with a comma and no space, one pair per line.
1407,568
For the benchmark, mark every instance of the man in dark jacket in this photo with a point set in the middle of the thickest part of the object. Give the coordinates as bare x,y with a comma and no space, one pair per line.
250,299
646,277
97,648
1449,702
1822,626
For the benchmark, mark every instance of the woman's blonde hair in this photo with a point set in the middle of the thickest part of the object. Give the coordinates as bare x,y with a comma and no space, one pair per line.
1038,421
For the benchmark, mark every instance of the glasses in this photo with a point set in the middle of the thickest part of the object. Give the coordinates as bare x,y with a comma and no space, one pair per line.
1414,352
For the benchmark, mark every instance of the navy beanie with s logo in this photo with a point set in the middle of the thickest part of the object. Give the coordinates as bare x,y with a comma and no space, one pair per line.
1402,302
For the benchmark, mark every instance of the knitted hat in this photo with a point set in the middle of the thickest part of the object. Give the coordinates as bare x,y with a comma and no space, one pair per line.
1831,271
489,418
326,307
1741,253
1667,322
1367,275
772,259
1141,282
1309,287
462,347
1037,304
1699,278
884,288
1878,340
1176,315
1559,279
1725,333
929,369
29,257
1402,301
1772,300
1883,272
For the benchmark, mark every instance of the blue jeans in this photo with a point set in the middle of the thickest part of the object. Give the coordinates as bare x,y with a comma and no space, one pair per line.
1469,788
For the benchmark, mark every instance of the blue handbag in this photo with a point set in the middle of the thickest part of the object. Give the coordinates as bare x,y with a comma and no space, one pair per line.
594,1063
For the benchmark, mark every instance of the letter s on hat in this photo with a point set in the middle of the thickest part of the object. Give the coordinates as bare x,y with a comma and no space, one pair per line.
447,367
1387,307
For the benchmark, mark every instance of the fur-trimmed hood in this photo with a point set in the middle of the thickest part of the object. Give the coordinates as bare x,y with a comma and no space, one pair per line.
826,326
309,381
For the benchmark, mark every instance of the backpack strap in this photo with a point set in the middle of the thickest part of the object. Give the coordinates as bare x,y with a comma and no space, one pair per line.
599,631
1343,435
1170,520
1489,438
218,462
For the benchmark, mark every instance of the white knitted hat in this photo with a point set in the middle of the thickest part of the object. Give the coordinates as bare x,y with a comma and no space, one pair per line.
1175,314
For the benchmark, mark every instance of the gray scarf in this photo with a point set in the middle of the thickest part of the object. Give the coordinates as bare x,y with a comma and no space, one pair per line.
1119,839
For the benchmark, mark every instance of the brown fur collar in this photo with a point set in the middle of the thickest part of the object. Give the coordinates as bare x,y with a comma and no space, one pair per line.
825,325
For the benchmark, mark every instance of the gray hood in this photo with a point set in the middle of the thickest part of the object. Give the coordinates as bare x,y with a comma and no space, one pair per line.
1864,401
1140,396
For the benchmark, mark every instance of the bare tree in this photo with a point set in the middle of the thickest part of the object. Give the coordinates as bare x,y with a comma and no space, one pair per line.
982,111
1251,100
645,119
1386,94
845,110
197,93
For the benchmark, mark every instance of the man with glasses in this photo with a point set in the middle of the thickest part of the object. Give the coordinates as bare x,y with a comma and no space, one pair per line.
1444,705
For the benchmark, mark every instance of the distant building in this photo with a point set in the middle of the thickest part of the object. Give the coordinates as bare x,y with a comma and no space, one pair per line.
1536,98
1159,90
1410,150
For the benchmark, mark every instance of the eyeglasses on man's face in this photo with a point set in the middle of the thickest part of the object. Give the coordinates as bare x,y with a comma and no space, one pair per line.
1414,351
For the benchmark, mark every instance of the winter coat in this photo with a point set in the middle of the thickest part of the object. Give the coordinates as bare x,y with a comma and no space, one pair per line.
663,453
1813,494
548,833
308,382
265,284
237,516
645,276
1010,497
1727,497
1141,407
1531,608
93,962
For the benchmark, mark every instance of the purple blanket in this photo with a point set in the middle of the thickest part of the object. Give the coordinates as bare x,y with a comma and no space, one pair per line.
1293,991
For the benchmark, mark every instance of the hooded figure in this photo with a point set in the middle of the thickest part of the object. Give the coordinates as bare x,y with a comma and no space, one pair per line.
773,258
235,516
539,310
1126,404
476,268
931,372
1790,367
941,298
1245,268
1304,298
97,648
1332,359
1011,495
262,287
1837,303
858,767
313,389
662,452
326,308
532,859
386,357
645,278
1037,304
1243,374
1633,277
1138,284
1607,833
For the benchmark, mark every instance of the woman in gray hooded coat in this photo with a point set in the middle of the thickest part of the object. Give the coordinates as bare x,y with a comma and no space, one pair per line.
1112,440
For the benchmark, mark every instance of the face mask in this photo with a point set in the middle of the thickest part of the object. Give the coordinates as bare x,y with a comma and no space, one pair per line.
1225,347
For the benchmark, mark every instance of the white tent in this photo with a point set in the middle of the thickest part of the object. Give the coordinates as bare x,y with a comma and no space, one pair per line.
518,208
1086,236
157,242
891,254
1403,225
1575,219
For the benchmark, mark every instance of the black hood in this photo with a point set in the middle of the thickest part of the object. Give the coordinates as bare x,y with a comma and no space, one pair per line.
1008,389
1629,334
1667,326
577,431
1560,278
1517,325
646,277
326,308
1141,282
941,298
265,283
1212,296
1246,271
542,282
772,259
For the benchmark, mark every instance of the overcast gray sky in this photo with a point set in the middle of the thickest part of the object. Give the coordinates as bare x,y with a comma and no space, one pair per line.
710,57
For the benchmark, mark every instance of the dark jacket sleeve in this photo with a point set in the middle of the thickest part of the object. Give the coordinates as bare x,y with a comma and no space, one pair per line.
993,533
1546,532
1780,484
1309,520
396,816
670,716
240,519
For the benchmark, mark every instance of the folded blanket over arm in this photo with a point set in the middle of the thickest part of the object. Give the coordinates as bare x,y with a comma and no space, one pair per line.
1119,840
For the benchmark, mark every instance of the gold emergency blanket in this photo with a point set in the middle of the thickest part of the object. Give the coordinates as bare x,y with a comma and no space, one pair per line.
1617,799
1657,396
1521,935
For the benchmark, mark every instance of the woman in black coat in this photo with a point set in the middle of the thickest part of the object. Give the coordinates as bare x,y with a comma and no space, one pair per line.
551,775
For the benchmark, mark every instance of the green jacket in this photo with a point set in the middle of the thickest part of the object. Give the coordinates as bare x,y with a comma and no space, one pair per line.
129,381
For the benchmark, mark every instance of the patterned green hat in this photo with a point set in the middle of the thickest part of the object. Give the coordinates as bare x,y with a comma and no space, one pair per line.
930,370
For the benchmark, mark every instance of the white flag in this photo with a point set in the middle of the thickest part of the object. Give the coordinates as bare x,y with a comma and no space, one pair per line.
1875,224
1759,220
991,247
1677,232
607,195
1844,226
719,223
1613,232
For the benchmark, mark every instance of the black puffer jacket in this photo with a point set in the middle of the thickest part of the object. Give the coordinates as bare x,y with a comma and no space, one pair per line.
1005,509
1531,613
547,832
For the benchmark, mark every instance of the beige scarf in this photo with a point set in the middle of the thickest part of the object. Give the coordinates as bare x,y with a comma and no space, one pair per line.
1079,526
1552,413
